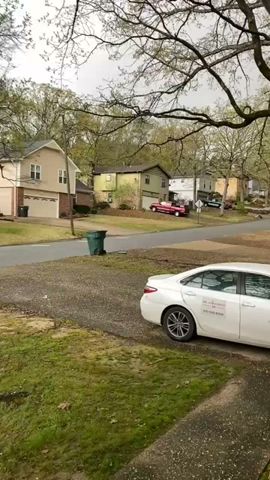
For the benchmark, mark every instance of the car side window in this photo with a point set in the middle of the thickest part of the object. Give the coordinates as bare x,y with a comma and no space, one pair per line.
195,281
257,285
220,281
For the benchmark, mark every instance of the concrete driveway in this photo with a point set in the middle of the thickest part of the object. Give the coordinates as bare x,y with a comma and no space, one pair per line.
99,298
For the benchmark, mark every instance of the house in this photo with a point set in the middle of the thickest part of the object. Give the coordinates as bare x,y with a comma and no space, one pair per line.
36,177
234,187
183,187
256,188
139,185
83,194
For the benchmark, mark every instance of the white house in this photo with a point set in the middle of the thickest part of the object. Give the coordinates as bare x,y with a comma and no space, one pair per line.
256,188
183,187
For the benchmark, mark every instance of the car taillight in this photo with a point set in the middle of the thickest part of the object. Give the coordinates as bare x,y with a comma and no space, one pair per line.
148,289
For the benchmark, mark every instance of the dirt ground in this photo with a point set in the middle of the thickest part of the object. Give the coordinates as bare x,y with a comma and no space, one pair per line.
255,240
184,258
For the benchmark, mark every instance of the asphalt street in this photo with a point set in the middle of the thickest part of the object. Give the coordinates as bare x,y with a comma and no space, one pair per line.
28,254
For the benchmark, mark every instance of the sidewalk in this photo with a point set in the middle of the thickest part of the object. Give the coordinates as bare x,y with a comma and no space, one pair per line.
226,438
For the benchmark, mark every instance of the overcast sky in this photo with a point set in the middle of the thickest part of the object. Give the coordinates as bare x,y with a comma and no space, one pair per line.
94,74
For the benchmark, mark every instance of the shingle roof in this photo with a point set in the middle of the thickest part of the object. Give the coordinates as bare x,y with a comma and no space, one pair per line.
22,151
129,169
82,187
33,146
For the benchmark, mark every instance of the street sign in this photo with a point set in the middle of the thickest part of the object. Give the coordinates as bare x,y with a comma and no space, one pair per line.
199,210
199,204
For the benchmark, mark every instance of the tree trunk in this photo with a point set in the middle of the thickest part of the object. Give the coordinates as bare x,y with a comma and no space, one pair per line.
266,203
226,184
70,198
242,186
194,188
91,182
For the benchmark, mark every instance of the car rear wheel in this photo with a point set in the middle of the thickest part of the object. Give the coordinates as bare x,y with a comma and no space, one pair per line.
154,209
176,214
179,324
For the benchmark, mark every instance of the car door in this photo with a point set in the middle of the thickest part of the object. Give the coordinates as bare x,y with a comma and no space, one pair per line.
161,208
214,299
255,309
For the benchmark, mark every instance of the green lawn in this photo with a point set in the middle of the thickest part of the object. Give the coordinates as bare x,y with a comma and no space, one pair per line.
141,224
92,401
12,233
164,222
266,474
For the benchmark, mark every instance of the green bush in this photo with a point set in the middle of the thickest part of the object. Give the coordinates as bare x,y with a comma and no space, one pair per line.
125,195
84,209
240,207
102,205
94,211
124,206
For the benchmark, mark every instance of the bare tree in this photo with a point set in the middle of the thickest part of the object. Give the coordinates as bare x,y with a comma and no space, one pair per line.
13,34
176,46
230,151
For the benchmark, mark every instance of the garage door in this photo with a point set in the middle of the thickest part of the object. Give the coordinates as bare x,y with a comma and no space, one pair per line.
41,205
147,202
6,201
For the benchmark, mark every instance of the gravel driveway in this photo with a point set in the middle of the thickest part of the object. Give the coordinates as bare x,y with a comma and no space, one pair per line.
95,297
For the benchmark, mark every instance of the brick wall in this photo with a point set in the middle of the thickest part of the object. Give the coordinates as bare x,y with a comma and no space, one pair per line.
20,196
84,199
63,204
19,199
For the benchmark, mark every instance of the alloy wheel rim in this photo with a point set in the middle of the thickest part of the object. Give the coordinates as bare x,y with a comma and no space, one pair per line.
178,324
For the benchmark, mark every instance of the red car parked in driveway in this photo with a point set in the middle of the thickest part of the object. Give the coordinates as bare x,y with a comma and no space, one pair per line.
170,208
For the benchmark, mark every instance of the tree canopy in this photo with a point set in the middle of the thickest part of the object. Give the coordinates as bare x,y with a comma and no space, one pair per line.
177,47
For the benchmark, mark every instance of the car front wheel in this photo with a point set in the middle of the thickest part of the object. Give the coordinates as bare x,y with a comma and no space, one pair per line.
154,209
179,324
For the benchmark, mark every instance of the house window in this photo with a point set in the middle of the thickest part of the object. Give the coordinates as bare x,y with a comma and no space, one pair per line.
35,172
108,178
62,176
163,183
147,179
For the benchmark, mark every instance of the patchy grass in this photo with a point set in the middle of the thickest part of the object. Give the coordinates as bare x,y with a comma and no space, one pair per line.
212,217
156,222
266,473
12,233
142,224
131,262
89,402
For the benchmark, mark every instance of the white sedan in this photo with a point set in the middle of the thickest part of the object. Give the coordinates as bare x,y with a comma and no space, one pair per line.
230,301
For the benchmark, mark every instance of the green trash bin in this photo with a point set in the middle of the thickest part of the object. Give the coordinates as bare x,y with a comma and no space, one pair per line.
96,242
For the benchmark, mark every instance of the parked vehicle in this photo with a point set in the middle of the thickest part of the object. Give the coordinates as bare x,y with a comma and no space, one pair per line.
171,208
230,301
216,203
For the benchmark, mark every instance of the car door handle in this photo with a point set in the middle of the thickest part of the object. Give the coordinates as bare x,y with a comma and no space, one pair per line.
190,294
247,304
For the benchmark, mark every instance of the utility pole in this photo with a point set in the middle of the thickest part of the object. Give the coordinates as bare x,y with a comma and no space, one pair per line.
70,200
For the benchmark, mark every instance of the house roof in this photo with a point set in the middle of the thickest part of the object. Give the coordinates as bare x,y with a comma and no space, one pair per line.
130,169
82,187
29,148
177,177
